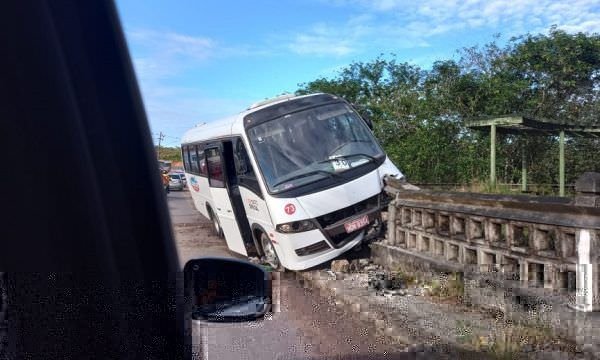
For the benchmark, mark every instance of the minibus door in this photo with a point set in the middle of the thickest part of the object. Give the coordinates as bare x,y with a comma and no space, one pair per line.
222,201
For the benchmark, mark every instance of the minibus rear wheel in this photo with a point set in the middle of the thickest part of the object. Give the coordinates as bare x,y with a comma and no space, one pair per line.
217,230
269,253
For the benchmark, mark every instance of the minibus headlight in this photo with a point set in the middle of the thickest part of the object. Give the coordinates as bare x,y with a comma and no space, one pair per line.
296,226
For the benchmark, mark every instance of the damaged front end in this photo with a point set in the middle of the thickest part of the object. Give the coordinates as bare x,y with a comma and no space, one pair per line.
360,219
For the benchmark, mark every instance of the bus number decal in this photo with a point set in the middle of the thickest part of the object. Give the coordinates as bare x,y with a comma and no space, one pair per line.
289,209
339,163
253,204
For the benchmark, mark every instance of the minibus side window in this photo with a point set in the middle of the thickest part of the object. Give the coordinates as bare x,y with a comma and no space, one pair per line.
202,160
215,168
185,153
245,173
194,159
242,162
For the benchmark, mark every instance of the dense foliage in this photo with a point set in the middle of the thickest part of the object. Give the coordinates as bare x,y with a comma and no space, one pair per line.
419,113
169,153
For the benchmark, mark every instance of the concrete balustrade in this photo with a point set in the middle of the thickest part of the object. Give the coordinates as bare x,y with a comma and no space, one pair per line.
549,243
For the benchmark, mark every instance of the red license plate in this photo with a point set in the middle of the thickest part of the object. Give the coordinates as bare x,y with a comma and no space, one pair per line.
356,224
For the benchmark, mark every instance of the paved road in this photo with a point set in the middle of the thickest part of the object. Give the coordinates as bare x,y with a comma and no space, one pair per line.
193,231
307,326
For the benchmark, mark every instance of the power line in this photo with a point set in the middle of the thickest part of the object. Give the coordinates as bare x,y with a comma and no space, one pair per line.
165,136
161,136
171,143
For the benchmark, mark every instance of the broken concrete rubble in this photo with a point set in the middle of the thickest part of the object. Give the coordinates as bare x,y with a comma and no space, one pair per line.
340,266
385,284
354,266
397,292
371,267
370,276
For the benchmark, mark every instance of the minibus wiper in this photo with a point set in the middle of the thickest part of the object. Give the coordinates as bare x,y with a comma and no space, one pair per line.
299,176
371,158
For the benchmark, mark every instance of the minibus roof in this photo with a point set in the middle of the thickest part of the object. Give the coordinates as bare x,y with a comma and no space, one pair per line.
232,125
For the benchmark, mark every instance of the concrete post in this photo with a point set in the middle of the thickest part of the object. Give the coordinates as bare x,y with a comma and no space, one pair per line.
561,161
587,298
493,156
391,223
523,171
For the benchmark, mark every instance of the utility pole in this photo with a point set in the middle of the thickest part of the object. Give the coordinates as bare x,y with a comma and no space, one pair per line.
161,137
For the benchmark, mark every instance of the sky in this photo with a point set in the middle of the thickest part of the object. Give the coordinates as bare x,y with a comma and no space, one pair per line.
200,60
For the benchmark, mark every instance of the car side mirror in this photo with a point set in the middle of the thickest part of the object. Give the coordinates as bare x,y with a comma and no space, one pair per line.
224,289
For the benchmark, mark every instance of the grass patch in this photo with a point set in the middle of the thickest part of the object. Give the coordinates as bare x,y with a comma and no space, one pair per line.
448,286
406,278
511,339
464,331
480,186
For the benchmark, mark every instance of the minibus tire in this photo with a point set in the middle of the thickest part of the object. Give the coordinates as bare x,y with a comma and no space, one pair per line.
269,252
216,226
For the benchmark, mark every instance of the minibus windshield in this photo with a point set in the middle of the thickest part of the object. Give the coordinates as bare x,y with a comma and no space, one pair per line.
303,147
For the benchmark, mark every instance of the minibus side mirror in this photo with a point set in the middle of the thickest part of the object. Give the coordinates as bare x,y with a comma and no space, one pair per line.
225,289
367,119
364,114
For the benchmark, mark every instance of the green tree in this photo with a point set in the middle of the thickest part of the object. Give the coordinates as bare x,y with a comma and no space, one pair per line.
169,153
419,115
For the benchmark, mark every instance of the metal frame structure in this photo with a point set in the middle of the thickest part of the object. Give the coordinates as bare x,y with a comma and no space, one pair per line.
515,124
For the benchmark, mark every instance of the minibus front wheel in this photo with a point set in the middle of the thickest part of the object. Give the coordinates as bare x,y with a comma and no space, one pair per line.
270,255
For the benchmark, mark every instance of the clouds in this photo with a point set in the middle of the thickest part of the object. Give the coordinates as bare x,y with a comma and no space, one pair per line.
164,61
189,77
175,109
164,54
160,55
359,34
329,40
172,43
393,24
323,40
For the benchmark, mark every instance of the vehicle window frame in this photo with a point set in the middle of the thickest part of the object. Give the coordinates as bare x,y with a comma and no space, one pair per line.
245,179
185,155
211,179
200,157
194,169
201,147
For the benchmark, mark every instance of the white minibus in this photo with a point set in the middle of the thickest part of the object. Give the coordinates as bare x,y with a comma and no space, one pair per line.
296,180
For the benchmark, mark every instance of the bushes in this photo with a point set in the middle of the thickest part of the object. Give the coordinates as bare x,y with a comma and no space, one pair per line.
419,114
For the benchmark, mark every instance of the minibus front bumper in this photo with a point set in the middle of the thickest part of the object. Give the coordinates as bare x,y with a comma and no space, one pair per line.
313,252
305,262
331,237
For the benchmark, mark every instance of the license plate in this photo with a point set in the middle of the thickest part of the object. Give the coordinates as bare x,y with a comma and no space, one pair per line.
356,224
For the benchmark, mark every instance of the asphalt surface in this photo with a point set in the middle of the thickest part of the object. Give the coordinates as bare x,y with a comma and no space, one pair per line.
303,326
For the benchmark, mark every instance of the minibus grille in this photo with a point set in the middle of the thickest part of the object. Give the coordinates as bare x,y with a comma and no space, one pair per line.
339,215
342,238
311,249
